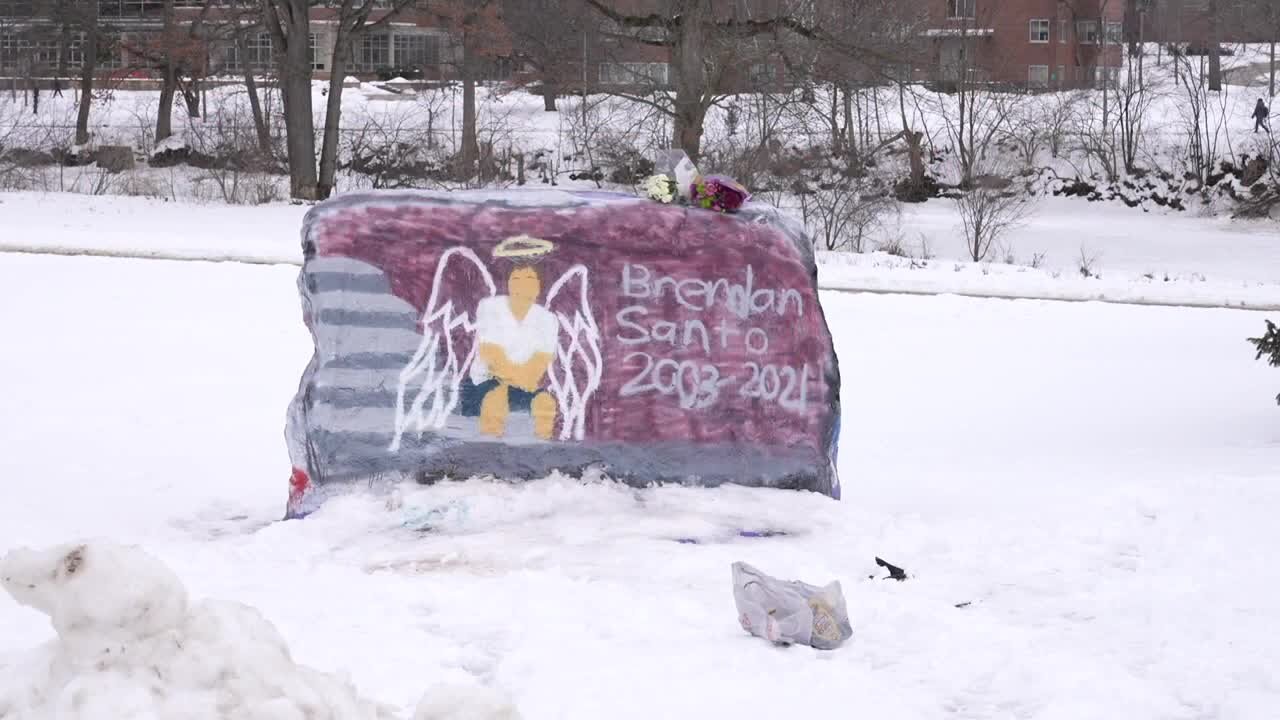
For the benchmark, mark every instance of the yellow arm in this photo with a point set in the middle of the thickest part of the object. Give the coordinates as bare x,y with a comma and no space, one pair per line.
529,375
499,365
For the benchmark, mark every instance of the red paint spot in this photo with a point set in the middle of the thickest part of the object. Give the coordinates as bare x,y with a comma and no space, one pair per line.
298,485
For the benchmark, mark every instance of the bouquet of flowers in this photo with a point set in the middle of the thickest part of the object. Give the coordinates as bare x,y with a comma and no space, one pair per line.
719,193
660,188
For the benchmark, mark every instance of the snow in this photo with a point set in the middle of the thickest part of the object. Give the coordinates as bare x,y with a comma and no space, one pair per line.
130,645
1138,257
1081,493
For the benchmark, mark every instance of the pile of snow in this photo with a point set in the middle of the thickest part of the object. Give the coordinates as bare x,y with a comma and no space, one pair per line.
132,645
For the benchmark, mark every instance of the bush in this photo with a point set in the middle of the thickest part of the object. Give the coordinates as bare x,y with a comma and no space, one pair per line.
1269,346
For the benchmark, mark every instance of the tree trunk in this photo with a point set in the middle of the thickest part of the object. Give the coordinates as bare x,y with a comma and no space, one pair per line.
469,153
164,115
549,93
168,78
915,153
1215,59
191,96
294,70
850,125
86,79
690,80
833,118
255,103
333,114
1273,69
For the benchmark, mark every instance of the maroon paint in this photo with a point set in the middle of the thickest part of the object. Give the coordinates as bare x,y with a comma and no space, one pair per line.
406,241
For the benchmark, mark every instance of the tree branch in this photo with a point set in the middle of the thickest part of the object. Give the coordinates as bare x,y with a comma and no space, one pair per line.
652,20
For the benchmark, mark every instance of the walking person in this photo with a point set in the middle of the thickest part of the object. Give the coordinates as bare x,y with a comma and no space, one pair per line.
1260,113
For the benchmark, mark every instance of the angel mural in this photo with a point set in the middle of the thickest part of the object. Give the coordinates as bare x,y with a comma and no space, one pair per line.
487,355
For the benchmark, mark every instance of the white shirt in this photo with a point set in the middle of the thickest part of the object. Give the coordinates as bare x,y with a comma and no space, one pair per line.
519,339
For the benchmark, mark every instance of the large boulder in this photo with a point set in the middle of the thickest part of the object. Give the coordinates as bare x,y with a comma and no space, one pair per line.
114,158
514,334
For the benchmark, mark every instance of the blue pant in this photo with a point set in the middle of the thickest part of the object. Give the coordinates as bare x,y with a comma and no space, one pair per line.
473,395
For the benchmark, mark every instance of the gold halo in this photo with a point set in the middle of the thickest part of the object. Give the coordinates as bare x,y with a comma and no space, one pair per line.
522,246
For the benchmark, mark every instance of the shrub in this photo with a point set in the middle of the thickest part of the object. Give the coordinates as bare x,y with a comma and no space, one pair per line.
1269,346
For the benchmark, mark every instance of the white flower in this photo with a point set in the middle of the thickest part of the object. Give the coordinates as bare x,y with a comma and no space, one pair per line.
658,187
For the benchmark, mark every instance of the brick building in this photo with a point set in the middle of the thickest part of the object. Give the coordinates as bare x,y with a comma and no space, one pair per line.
1037,43
32,36
1033,43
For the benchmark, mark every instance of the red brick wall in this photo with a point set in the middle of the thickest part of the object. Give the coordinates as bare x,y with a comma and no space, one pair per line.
1002,49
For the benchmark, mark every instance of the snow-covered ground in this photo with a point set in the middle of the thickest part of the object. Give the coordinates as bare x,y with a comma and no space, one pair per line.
1082,493
1159,257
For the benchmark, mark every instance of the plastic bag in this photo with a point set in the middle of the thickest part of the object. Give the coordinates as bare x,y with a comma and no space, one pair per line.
788,612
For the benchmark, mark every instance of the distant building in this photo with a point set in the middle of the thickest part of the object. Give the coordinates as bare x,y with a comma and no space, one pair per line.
1049,44
32,39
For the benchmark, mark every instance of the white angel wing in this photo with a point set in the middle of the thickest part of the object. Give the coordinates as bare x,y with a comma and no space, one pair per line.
442,358
575,373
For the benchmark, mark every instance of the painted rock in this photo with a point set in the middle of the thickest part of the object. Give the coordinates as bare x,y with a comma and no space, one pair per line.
512,334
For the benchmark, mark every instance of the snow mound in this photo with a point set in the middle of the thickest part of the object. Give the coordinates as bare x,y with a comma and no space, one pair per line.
464,702
130,646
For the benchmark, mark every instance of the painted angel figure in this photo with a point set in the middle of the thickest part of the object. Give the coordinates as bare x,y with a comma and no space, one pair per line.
487,355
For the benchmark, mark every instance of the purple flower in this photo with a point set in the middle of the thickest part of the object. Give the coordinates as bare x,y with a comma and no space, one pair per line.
719,193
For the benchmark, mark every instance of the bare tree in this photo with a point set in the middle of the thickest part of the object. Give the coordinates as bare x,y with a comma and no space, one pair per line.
709,45
549,37
179,54
482,37
981,115
288,23
1214,49
231,29
987,214
1204,117
1265,15
845,214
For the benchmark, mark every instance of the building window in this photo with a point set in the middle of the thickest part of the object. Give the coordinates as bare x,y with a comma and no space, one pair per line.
316,52
1114,33
1109,76
633,73
44,56
1062,76
1087,31
1064,30
762,74
131,8
75,51
416,51
1038,76
1039,31
961,8
258,50
10,48
375,52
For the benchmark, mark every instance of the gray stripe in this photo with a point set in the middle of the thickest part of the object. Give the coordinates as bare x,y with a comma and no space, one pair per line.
343,398
370,361
381,302
318,282
360,455
334,341
359,378
364,318
341,264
